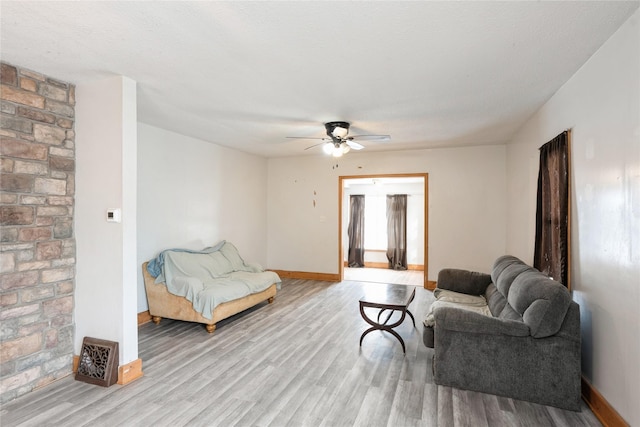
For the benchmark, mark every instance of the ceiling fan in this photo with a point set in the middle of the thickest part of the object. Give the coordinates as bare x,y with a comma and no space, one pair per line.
339,142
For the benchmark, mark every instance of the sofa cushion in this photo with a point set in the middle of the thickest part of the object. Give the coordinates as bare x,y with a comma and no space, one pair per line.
446,298
233,256
495,300
508,313
204,266
460,298
500,264
542,302
219,264
463,281
505,270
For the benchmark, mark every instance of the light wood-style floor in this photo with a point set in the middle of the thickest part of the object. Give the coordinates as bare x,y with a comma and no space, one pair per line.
295,362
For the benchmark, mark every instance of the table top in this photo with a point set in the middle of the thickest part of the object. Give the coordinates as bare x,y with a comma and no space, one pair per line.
387,296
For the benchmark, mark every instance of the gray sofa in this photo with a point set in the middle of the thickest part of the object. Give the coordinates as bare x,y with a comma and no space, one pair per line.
527,347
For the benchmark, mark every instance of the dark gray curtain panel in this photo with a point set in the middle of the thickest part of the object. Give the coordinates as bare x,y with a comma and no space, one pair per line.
552,211
397,231
356,231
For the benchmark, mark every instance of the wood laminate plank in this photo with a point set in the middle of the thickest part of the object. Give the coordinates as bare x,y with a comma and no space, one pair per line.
571,419
496,416
430,405
43,417
532,414
304,409
468,409
445,406
406,408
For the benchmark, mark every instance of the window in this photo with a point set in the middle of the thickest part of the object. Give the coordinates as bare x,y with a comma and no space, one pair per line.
375,222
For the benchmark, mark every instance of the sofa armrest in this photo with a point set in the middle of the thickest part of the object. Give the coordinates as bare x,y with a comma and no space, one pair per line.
459,320
463,281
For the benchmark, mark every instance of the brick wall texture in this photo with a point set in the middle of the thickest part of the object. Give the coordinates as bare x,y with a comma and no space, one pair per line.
37,245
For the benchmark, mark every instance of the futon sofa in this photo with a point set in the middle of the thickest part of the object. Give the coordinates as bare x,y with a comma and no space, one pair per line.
524,343
205,286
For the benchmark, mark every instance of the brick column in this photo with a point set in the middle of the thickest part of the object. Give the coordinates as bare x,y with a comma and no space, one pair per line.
37,258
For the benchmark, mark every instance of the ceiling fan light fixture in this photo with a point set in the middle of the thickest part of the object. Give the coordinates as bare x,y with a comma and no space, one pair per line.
336,149
339,142
340,132
337,129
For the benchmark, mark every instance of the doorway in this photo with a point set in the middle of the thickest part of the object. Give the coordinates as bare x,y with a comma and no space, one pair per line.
376,266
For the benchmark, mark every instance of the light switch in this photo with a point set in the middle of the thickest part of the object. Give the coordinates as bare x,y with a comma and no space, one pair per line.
114,215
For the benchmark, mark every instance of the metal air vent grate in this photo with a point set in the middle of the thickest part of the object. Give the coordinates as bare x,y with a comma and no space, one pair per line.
98,362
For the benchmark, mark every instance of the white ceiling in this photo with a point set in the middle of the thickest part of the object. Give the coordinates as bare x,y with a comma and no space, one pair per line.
248,74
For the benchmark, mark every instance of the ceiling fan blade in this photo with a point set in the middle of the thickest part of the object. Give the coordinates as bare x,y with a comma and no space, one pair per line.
371,137
354,145
306,137
315,145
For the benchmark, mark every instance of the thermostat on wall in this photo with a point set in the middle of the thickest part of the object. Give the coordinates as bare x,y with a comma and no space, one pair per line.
114,215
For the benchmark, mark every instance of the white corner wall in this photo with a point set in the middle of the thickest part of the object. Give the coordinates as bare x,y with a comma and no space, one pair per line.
467,206
106,139
192,194
601,105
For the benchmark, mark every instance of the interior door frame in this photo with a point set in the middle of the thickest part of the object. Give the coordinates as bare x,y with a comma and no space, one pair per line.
425,177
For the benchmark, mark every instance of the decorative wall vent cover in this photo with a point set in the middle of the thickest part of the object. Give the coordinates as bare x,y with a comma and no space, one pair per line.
98,362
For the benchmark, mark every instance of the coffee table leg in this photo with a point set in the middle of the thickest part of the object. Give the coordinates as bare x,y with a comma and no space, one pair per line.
394,333
388,316
391,331
391,312
383,327
365,333
412,318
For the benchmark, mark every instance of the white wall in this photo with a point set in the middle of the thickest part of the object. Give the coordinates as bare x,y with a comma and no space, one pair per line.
467,206
601,104
106,139
192,194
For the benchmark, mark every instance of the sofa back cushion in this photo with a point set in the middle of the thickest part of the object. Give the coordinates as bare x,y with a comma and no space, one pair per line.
505,270
542,302
219,265
509,313
495,300
499,306
231,253
204,266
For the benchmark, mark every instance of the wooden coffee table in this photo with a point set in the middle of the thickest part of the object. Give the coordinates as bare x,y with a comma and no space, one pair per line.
389,298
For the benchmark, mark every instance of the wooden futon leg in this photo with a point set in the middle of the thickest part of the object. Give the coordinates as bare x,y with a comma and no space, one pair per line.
271,299
156,319
210,328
